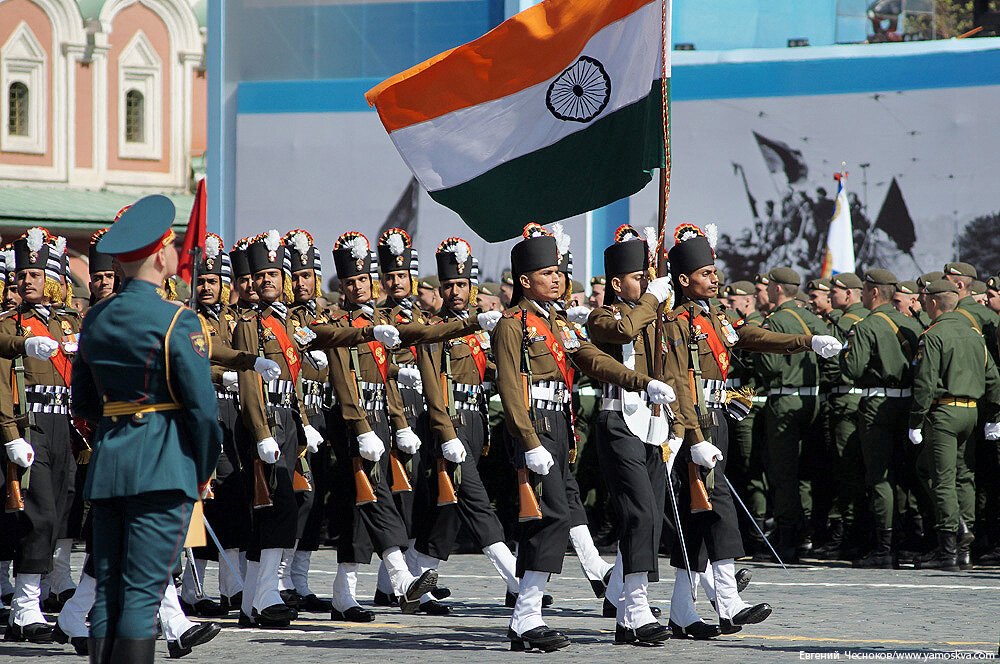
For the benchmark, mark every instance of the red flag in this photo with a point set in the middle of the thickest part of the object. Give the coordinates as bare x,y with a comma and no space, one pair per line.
195,236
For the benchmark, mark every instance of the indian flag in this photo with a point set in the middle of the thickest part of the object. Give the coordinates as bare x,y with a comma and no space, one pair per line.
557,111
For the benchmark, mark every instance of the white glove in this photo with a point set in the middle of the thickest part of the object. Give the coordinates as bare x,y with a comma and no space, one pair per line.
578,315
538,460
370,446
317,358
268,369
660,288
387,334
268,451
992,431
826,346
489,319
409,377
705,454
661,393
40,348
230,381
916,436
20,452
407,441
313,438
453,450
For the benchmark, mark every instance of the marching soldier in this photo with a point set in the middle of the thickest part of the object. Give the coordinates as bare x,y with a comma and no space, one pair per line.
760,282
993,293
597,287
982,318
907,302
36,427
711,537
103,278
877,359
488,297
145,379
631,460
533,345
243,295
954,376
454,373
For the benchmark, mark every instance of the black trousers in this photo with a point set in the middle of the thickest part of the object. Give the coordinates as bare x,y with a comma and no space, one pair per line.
373,527
312,504
410,504
713,535
541,543
636,478
48,498
439,526
229,511
273,527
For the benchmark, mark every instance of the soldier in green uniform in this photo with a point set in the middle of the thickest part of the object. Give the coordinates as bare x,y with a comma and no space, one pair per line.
954,377
877,359
993,293
982,318
142,374
791,413
842,401
907,302
597,286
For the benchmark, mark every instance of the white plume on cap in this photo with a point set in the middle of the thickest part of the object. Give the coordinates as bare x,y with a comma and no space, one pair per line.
395,244
272,240
562,238
36,238
300,242
712,233
59,244
461,250
212,247
8,259
358,247
650,233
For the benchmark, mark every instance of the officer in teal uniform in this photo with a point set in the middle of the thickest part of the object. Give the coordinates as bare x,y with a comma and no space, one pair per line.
142,375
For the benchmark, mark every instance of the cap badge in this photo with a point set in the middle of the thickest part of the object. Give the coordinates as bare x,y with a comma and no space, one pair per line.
400,260
359,264
461,268
210,263
272,255
33,257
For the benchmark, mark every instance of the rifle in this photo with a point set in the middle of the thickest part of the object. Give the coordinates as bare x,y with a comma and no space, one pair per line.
363,492
528,494
446,488
698,485
262,488
17,482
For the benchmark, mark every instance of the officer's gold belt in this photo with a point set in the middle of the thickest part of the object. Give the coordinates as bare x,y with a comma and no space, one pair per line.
961,402
126,408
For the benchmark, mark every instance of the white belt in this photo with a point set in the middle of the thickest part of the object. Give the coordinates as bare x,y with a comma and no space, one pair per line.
52,399
793,392
715,391
758,399
550,395
733,383
279,386
586,391
886,392
846,389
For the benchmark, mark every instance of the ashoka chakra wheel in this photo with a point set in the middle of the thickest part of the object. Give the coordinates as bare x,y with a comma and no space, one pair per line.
581,92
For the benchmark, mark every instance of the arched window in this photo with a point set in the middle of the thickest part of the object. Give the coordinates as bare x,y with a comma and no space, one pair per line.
17,107
135,117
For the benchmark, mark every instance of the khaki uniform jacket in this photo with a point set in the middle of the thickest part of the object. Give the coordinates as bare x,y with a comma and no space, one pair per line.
220,330
506,340
613,325
676,332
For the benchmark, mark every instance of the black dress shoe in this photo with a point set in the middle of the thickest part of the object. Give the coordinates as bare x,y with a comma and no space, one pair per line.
278,615
204,608
33,633
7,599
540,638
353,614
313,604
752,614
743,576
385,599
410,601
601,586
79,643
245,620
54,602
696,630
441,593
511,599
195,636
231,603
649,634
434,608
291,598
655,610
726,626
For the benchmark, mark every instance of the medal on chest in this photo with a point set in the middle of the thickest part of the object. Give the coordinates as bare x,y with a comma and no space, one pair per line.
231,322
567,336
303,335
70,340
728,330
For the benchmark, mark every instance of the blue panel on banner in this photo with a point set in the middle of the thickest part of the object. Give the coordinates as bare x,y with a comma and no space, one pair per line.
604,221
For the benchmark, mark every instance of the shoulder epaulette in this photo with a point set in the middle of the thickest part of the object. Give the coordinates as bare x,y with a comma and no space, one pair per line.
7,314
248,315
513,313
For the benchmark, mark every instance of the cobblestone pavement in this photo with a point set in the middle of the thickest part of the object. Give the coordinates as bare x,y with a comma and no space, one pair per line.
820,612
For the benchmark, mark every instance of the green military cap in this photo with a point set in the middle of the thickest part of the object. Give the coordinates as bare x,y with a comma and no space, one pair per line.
881,278
577,286
741,288
978,287
925,279
490,288
845,280
819,284
141,229
761,279
908,287
507,277
993,283
940,286
961,270
430,281
599,280
784,275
